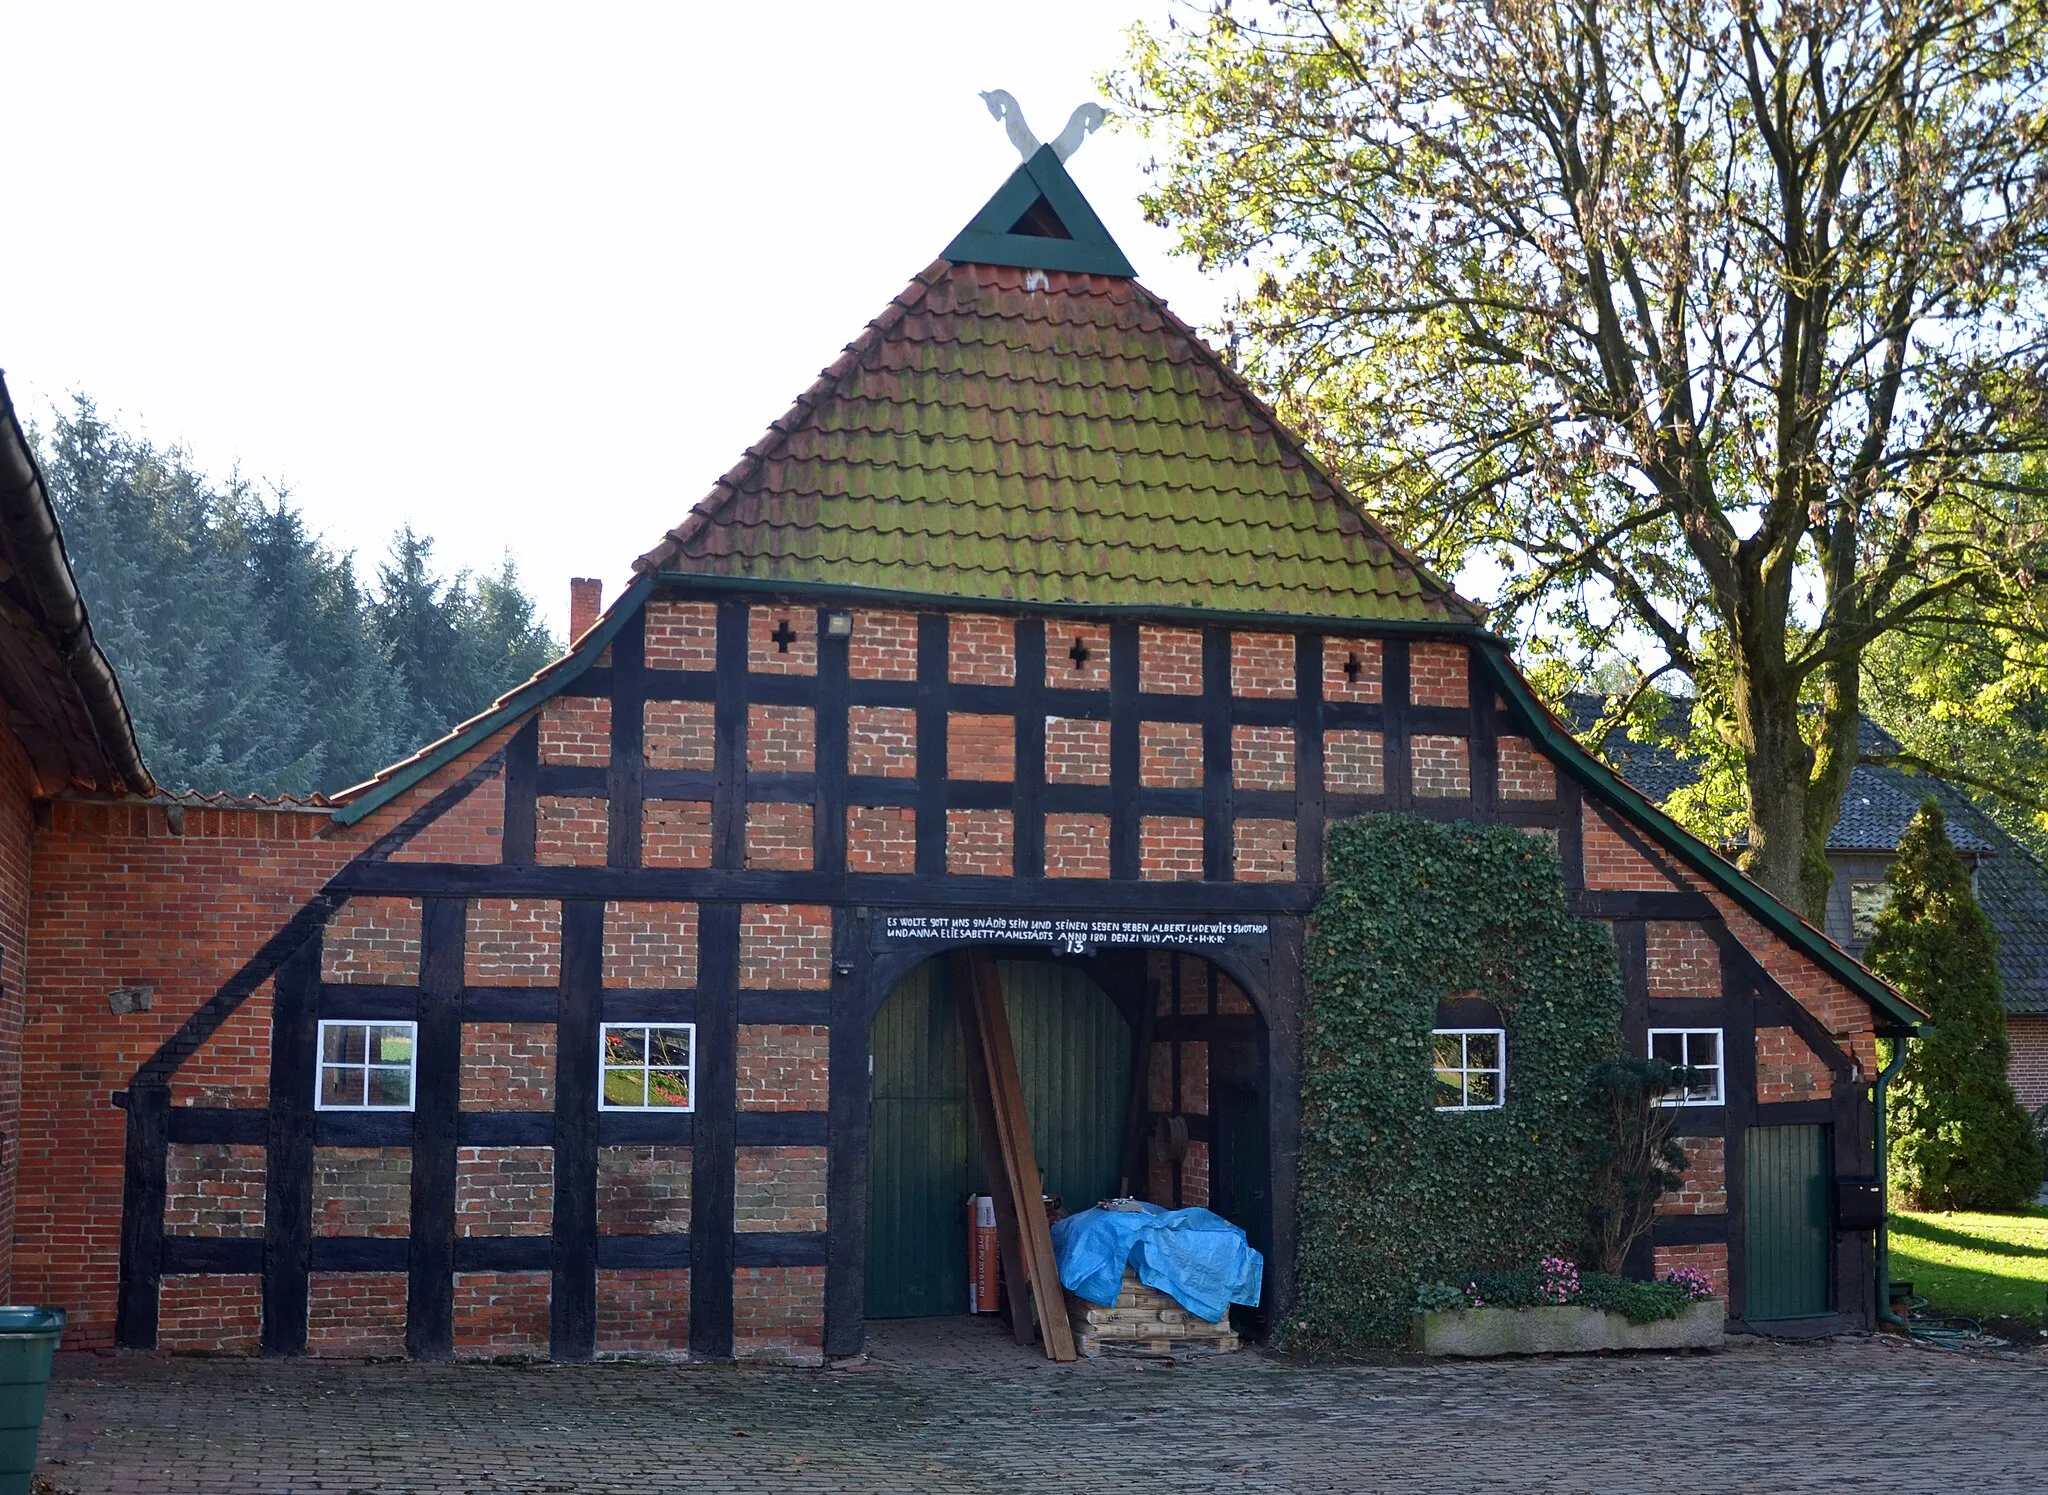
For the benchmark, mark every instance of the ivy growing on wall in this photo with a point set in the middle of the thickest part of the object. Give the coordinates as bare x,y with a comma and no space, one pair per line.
1394,1192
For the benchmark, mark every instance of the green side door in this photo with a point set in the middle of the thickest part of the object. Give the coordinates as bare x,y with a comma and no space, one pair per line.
924,1158
1787,1236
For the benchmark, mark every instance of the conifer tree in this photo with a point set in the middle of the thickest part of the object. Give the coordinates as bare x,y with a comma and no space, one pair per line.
1960,1139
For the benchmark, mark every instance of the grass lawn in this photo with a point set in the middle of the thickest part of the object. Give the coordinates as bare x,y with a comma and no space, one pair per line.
1977,1265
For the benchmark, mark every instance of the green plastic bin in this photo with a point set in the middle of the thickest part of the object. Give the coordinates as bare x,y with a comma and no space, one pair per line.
28,1343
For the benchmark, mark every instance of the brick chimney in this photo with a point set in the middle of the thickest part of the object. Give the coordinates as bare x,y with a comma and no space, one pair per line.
586,601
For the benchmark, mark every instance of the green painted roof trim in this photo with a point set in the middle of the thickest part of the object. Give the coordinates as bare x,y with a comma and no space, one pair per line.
987,239
1753,897
549,682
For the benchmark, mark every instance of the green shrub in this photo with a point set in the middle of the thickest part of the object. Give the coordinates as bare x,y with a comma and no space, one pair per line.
1960,1139
1393,1193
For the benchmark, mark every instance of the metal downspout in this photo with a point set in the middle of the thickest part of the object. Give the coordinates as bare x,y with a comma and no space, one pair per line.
1884,1253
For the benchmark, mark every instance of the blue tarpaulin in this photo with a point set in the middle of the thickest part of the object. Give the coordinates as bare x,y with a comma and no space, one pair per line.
1200,1260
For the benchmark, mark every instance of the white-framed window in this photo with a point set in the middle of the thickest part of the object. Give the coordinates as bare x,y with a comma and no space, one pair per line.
648,1067
365,1066
1471,1069
1696,1049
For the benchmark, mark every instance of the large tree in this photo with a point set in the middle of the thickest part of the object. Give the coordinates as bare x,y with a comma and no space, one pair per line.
1710,326
251,657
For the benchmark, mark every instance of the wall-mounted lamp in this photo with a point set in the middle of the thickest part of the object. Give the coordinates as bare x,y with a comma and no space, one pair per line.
839,625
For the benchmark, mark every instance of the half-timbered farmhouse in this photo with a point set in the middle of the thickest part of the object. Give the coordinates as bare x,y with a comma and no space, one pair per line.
613,1022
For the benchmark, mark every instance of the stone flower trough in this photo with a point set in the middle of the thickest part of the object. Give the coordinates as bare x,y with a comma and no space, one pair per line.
1573,1329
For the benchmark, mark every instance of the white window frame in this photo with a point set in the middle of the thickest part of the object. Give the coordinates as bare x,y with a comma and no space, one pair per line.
322,1066
604,1034
1466,1068
1719,1068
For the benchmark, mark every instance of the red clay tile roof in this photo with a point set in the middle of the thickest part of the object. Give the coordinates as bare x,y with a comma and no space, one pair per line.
1047,437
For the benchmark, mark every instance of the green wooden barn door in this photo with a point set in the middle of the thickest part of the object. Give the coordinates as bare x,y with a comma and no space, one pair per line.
1073,1056
1787,1236
917,1153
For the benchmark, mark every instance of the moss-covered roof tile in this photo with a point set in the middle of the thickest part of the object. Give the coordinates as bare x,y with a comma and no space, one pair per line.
1070,441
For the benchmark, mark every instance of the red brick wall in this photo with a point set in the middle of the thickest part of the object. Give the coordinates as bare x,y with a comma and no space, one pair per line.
681,636
361,1191
1441,766
643,1310
981,747
1170,848
784,1067
1354,762
473,832
1438,675
1845,1016
767,656
1262,757
214,1190
679,735
504,1190
650,945
979,843
981,650
778,1313
1170,755
1684,961
1263,850
1524,773
501,1313
373,940
785,946
1077,846
508,1067
1341,683
781,739
882,838
1261,664
205,1313
643,1190
1169,661
675,833
779,836
2029,1069
119,900
355,1314
1788,1070
576,730
883,647
1076,750
513,942
1705,1187
17,828
1612,865
1194,1176
881,742
1711,1259
1062,672
570,832
778,1189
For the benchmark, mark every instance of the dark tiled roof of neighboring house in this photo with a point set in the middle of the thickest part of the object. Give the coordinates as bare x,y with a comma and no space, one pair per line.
2012,885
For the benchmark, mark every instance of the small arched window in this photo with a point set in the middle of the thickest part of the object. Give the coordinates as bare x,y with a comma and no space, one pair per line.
1470,1054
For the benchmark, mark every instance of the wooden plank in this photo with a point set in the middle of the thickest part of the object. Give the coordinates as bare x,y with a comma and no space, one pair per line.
1013,1123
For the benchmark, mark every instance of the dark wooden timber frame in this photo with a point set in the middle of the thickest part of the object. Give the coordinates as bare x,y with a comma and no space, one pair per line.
863,974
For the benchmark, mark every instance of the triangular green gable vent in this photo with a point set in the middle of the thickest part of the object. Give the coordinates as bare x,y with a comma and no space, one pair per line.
1039,220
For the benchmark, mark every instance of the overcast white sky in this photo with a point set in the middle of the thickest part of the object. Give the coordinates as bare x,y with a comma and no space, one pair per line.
528,277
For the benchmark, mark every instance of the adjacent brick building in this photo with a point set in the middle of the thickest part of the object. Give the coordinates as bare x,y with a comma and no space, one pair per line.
1027,626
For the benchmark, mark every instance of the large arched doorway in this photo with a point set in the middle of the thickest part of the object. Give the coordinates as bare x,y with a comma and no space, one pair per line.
1144,1072
924,1157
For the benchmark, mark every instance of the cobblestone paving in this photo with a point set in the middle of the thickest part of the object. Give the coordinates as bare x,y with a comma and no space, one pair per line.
949,1406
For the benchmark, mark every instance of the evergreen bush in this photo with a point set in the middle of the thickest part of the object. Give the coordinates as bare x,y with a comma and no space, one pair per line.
1959,1137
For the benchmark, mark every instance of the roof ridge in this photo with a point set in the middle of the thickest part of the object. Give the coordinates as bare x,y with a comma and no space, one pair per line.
1235,387
828,383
